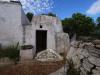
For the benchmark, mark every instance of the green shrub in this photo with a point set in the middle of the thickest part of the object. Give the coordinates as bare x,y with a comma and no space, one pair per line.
12,52
72,70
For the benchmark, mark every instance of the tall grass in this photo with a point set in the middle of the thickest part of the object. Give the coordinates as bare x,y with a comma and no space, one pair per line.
12,52
72,70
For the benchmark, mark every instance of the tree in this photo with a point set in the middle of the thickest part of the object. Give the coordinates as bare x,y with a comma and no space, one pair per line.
29,16
97,31
98,23
98,20
50,14
67,26
79,24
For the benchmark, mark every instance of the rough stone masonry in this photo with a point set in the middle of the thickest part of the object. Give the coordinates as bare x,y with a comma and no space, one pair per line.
44,32
85,57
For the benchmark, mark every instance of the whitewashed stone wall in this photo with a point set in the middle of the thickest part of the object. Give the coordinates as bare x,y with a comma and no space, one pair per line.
15,27
26,55
53,26
47,23
62,42
10,23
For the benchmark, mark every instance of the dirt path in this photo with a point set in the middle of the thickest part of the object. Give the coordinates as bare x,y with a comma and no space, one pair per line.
32,68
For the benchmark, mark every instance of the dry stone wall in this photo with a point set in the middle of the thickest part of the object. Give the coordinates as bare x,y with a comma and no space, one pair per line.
85,57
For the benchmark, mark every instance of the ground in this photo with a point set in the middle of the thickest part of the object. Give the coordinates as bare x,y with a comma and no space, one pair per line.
32,68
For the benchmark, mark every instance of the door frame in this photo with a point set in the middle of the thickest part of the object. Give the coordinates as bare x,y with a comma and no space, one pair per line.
36,39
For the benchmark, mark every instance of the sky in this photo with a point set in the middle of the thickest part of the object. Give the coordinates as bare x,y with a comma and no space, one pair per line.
63,8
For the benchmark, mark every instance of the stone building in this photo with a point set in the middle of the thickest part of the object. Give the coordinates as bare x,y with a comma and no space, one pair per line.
12,20
44,32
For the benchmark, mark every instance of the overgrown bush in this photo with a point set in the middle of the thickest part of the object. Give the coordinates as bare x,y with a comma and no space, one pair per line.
72,70
12,52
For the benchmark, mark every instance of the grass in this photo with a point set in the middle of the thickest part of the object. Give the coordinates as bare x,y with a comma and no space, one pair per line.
12,52
72,70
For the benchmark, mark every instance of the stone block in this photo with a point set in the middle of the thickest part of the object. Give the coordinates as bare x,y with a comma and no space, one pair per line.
97,46
26,55
96,41
87,66
62,42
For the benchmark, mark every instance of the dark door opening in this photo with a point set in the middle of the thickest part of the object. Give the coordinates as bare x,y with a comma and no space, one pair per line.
41,40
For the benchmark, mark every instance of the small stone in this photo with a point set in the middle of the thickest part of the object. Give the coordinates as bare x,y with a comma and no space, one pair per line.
97,46
96,41
94,60
87,66
96,72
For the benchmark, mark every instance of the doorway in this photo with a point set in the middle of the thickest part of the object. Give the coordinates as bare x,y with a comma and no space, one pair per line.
41,40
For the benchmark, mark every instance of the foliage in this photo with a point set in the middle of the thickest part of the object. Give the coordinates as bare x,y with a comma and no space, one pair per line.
72,70
97,33
50,14
12,52
97,28
98,20
29,16
79,24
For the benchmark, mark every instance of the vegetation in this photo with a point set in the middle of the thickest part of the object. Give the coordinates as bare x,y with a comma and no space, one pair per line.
12,52
29,16
72,70
50,14
97,31
78,24
81,25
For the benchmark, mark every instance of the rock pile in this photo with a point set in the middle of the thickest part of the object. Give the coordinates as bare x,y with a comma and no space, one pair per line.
48,55
97,43
85,57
